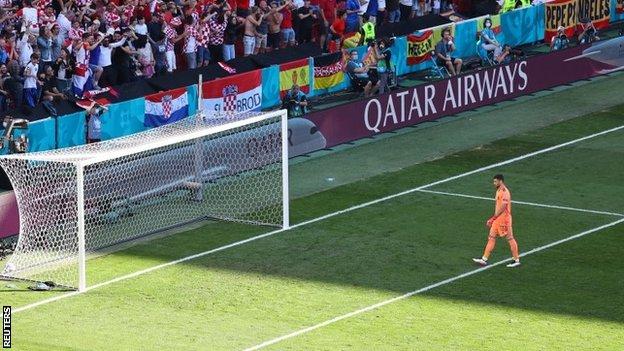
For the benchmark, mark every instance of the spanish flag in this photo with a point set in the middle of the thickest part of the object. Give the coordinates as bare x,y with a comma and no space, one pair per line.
419,47
328,70
296,72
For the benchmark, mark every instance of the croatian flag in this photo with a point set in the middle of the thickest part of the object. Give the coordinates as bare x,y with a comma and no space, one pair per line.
166,107
81,80
233,95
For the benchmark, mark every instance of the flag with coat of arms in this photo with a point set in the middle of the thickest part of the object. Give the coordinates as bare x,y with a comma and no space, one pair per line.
166,107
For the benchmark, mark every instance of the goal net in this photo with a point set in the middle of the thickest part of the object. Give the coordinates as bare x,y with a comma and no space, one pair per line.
85,200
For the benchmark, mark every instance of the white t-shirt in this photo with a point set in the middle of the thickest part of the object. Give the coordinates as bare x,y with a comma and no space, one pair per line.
381,4
30,75
25,50
64,25
141,29
409,3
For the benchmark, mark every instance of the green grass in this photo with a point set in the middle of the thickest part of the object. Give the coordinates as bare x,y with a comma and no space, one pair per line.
566,297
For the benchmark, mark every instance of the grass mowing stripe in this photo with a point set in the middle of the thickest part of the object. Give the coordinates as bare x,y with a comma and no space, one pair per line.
524,203
427,288
317,219
522,157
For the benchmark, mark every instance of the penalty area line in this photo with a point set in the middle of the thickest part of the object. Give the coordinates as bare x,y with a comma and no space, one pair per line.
314,220
425,289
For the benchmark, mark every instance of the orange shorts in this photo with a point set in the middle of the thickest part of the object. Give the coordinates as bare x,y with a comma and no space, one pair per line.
501,227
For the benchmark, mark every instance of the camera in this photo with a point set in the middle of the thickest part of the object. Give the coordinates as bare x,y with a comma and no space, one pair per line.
17,144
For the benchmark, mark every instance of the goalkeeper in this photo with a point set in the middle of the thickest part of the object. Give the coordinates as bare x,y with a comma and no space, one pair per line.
500,224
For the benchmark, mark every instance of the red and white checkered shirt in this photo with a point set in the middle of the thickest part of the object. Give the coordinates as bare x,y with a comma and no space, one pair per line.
190,41
203,34
42,4
83,3
216,31
75,33
112,18
129,11
45,20
170,34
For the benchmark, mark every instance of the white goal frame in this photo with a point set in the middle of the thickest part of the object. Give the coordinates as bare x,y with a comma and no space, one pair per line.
84,156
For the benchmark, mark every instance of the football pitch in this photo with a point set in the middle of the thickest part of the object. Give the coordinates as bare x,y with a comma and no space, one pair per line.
379,263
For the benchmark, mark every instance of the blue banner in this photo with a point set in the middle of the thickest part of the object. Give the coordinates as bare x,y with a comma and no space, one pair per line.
123,118
617,11
41,135
270,87
71,129
523,26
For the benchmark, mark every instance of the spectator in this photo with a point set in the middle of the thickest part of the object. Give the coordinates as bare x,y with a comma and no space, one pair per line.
63,66
44,42
405,8
4,95
50,91
307,17
337,29
57,42
274,20
588,32
443,50
171,37
123,58
217,26
145,56
203,37
30,81
353,20
295,102
4,55
288,33
160,54
190,42
394,13
230,34
262,30
251,23
362,74
25,47
328,9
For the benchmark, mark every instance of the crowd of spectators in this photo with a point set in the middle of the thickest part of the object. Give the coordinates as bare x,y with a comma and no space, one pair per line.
55,49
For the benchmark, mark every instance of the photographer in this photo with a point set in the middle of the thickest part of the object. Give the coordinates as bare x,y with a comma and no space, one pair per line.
295,102
363,75
560,41
588,33
384,65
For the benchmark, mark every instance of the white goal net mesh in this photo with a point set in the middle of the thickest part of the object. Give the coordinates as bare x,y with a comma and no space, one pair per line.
142,184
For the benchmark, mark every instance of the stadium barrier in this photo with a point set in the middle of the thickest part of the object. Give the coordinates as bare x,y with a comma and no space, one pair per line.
128,117
428,102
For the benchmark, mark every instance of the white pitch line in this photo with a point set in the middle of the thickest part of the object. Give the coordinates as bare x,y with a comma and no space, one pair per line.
425,289
314,220
526,203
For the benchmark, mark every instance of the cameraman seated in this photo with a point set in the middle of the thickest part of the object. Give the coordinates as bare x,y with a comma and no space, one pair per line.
362,75
589,32
560,41
295,102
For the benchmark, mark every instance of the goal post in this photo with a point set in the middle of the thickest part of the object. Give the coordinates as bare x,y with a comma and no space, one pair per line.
87,200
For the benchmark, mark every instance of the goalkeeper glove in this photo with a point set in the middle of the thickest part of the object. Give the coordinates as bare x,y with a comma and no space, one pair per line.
490,221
